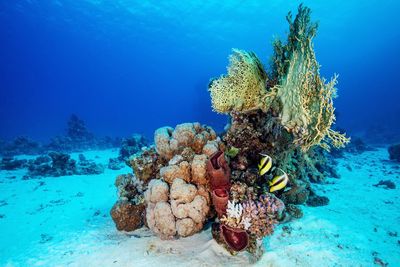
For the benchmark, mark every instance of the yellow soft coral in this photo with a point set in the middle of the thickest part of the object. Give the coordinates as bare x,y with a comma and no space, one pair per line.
305,97
244,88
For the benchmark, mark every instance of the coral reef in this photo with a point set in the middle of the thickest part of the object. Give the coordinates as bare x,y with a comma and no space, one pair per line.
10,163
146,164
191,175
394,152
131,145
174,176
127,216
129,188
77,129
60,164
79,138
115,164
288,118
21,145
128,213
187,136
257,217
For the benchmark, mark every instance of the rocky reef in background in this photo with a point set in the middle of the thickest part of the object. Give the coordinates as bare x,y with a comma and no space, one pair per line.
394,152
60,164
129,147
54,159
20,145
76,139
281,119
52,164
382,134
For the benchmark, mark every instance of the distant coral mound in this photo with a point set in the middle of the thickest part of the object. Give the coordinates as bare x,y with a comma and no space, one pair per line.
394,152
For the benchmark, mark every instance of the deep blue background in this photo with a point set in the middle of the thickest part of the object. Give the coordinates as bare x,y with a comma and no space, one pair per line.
133,66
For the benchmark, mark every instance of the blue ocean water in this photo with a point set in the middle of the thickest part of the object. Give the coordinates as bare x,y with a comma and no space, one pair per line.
129,67
132,66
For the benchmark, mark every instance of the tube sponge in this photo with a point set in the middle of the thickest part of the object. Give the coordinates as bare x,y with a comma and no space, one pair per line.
244,88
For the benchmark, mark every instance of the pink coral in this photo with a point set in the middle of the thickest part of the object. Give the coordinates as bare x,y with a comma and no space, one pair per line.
262,214
170,142
179,210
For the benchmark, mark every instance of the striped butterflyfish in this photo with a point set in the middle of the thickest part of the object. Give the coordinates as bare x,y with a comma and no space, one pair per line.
265,164
278,182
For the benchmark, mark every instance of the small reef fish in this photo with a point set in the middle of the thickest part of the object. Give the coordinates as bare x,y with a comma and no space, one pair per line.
265,164
278,182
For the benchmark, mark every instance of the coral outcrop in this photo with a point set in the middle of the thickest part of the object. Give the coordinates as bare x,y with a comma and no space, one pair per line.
129,147
128,213
60,164
287,118
132,145
127,216
21,145
77,137
394,152
284,115
177,197
11,163
173,176
146,164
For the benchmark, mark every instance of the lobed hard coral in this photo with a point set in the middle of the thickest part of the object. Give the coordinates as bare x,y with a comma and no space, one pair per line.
176,210
244,88
170,142
175,172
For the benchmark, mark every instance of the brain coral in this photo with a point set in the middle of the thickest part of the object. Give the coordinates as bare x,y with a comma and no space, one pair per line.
244,88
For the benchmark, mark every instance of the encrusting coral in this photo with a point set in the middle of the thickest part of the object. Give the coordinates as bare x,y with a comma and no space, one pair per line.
128,212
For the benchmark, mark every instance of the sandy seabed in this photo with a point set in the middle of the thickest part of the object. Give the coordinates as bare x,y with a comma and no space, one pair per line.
65,221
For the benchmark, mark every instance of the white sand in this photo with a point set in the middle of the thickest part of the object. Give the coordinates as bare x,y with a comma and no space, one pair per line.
78,231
